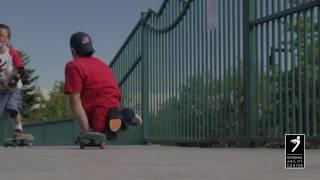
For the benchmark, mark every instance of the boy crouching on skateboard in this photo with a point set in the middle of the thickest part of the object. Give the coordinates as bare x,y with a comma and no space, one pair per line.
11,70
94,95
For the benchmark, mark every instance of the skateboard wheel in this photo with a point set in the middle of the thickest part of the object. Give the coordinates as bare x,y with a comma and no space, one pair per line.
81,146
102,145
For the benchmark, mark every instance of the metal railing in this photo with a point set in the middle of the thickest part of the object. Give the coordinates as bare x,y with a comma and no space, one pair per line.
285,35
254,77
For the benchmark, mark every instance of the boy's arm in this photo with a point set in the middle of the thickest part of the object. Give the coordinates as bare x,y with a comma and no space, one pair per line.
78,111
15,77
73,86
18,71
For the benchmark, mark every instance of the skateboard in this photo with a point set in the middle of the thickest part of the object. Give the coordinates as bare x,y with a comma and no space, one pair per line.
92,139
23,140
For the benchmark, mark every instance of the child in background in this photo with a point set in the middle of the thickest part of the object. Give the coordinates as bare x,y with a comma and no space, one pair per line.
11,70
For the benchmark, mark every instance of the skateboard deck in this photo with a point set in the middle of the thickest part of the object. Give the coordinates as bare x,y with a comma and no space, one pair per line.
92,139
23,140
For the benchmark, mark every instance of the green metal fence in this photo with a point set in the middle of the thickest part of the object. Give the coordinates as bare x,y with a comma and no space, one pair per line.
286,37
61,132
5,128
191,73
254,77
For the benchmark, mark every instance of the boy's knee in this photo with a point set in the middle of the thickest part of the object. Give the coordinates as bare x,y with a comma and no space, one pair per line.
12,113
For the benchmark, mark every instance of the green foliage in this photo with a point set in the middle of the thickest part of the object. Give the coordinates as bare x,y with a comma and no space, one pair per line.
57,107
205,105
36,111
291,95
31,94
35,108
297,2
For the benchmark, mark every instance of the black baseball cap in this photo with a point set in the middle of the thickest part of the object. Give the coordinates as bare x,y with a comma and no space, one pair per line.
81,42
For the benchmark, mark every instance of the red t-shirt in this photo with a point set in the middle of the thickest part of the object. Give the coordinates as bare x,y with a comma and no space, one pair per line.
94,80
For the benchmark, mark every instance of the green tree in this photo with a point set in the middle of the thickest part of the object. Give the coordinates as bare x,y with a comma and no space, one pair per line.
31,95
203,107
57,107
37,111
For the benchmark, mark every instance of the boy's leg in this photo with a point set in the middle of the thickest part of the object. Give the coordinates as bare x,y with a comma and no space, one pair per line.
4,97
102,118
130,117
110,121
114,119
97,119
13,107
113,123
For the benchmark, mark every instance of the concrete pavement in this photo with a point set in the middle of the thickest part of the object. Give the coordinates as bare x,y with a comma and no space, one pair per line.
152,163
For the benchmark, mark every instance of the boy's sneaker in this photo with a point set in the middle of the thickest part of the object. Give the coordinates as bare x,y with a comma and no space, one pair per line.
114,120
130,117
115,124
18,134
136,121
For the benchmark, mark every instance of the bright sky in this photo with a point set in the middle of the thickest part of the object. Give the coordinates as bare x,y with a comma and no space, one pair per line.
42,28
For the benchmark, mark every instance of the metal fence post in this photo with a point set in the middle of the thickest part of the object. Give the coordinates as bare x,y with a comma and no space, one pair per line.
144,76
250,74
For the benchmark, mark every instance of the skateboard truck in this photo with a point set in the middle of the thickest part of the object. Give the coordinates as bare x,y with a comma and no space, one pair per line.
23,140
91,139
